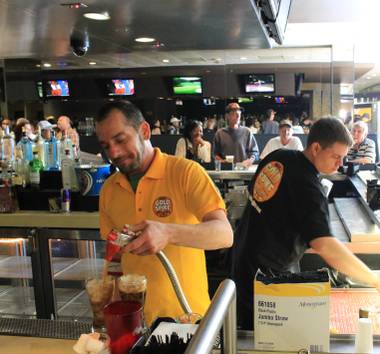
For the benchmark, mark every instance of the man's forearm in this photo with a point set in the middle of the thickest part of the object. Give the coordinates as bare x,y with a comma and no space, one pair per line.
339,257
208,235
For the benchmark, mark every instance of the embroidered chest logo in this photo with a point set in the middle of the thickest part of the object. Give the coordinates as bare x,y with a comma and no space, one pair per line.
268,181
163,206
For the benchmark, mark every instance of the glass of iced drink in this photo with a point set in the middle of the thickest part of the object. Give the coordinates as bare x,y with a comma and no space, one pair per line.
100,291
132,287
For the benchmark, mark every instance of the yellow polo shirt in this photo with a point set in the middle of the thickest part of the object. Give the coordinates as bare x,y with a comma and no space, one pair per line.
173,190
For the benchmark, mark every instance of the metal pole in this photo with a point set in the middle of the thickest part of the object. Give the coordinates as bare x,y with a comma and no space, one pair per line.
221,311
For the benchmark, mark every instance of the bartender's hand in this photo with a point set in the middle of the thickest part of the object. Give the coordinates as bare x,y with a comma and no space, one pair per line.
153,236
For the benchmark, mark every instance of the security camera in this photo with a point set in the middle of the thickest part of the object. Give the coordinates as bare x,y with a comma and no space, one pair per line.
79,42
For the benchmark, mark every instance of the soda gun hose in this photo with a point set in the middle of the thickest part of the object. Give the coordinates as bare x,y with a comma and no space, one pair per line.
117,240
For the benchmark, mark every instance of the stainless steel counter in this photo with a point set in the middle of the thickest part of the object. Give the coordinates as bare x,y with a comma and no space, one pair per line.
245,175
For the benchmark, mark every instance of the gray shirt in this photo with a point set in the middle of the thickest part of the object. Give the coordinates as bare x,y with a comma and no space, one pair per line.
270,127
239,142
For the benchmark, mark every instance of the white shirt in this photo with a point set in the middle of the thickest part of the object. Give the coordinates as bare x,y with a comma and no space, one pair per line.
204,151
275,144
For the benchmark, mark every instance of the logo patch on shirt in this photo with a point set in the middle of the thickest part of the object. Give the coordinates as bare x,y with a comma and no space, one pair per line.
268,181
163,206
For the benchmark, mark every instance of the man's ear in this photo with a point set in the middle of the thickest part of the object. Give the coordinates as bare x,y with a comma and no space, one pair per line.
145,130
315,148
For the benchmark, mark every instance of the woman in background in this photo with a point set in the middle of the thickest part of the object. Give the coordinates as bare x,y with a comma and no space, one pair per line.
192,146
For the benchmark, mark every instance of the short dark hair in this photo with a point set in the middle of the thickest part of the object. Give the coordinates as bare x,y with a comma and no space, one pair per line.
327,132
132,114
189,127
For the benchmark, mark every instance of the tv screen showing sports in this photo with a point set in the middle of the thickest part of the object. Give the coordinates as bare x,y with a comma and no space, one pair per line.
259,83
57,88
187,85
121,87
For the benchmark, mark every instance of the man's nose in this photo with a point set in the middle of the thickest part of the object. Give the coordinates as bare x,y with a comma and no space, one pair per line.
113,151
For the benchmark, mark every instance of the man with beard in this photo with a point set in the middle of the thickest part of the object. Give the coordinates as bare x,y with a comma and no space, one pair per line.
169,201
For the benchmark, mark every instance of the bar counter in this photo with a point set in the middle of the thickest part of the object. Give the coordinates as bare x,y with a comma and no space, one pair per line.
45,219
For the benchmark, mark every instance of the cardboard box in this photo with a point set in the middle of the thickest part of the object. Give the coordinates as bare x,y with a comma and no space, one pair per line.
291,312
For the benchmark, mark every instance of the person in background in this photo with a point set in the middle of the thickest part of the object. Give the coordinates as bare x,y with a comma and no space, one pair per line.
364,149
269,125
235,140
65,129
46,129
170,202
209,130
297,129
288,213
173,127
6,122
250,124
285,140
156,128
23,124
192,146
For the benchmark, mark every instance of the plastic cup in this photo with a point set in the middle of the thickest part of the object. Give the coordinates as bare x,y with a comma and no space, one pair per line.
217,165
100,293
124,323
132,287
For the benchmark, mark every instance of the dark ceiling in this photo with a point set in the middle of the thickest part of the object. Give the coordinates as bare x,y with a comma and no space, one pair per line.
187,32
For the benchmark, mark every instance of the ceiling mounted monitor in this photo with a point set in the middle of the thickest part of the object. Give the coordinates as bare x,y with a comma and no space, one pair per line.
259,83
56,88
187,85
120,87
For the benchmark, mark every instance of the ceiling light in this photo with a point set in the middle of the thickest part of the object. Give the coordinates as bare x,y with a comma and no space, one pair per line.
38,65
144,40
243,58
368,77
99,16
47,65
92,63
165,60
74,5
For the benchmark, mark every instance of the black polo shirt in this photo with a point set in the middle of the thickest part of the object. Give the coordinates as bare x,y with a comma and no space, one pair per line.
287,210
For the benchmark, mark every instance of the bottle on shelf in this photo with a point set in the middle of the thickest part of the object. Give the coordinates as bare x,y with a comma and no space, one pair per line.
40,146
65,143
69,177
35,167
52,160
7,146
26,147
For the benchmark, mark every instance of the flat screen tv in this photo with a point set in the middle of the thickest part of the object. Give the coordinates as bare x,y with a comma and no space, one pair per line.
120,87
259,83
57,88
187,85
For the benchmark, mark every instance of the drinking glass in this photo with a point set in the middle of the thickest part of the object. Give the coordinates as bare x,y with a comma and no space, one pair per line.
100,293
124,323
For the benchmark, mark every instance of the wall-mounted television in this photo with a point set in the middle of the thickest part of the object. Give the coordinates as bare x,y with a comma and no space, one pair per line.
57,88
259,83
187,85
120,87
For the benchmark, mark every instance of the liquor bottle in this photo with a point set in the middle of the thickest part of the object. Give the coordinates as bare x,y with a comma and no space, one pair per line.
40,147
65,144
52,153
7,146
69,177
35,166
26,147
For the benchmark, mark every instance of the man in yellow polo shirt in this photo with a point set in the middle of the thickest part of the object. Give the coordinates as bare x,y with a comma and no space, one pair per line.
170,200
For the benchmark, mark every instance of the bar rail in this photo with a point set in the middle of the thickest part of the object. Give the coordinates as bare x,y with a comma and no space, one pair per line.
222,311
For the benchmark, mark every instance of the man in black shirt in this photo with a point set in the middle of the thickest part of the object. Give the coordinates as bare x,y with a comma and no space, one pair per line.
288,213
